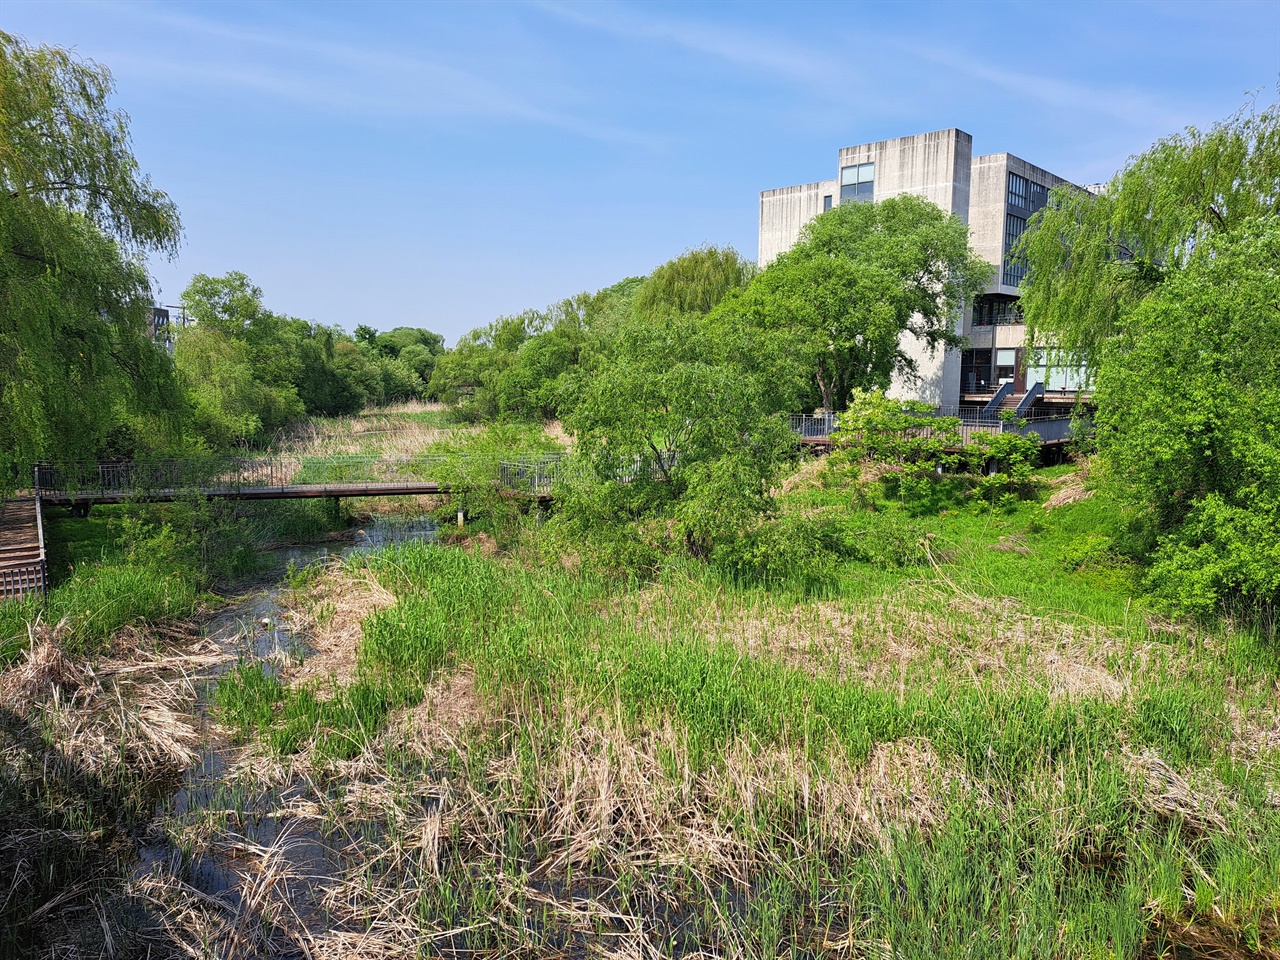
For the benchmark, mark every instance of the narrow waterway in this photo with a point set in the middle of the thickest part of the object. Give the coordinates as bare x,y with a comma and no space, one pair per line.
254,628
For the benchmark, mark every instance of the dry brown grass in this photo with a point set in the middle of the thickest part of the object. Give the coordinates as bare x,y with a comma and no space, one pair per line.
1207,937
1167,793
329,614
808,477
43,674
915,636
1073,491
450,707
261,920
135,714
384,431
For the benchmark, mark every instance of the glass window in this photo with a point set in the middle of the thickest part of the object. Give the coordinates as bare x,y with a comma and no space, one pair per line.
1019,191
1038,197
995,309
1014,269
1006,365
857,182
826,202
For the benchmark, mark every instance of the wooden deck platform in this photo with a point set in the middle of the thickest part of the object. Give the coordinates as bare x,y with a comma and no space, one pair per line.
22,560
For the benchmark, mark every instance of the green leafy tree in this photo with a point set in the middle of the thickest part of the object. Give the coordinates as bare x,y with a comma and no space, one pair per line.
677,422
468,374
1167,284
1094,257
269,369
77,217
694,282
864,283
1188,420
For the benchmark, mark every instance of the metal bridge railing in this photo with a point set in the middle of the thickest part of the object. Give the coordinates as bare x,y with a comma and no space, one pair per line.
1049,427
230,474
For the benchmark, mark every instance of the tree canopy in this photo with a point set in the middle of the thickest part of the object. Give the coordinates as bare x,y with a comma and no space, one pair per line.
863,283
1167,283
77,217
1094,257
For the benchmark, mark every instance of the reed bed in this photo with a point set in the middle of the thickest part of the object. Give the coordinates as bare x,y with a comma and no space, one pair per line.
985,753
687,769
402,429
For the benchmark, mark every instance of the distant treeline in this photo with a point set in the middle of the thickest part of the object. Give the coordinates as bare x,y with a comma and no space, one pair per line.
248,372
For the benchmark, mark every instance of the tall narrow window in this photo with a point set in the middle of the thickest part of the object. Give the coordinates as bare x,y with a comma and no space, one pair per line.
1006,365
857,182
1019,191
1038,196
1014,268
826,202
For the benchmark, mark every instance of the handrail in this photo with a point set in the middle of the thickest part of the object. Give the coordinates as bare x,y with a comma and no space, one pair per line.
997,398
1031,396
233,475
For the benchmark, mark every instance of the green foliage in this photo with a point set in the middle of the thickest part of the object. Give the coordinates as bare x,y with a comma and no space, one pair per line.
466,376
472,471
251,700
1093,258
230,404
525,367
694,282
905,434
862,276
1189,415
250,372
1013,456
1168,281
77,218
679,422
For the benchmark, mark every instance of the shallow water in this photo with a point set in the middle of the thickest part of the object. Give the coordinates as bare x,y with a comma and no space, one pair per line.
252,628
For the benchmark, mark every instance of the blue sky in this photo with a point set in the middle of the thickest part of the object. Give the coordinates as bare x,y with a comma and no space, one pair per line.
439,165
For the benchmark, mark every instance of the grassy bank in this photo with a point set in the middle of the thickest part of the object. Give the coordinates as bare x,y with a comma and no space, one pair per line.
978,748
957,732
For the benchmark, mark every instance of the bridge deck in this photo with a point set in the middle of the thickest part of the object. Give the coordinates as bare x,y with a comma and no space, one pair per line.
291,492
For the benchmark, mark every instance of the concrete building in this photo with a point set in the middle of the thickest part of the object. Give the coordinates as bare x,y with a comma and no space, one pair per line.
994,194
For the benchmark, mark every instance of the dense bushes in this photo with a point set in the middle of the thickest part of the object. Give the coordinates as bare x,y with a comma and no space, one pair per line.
1168,282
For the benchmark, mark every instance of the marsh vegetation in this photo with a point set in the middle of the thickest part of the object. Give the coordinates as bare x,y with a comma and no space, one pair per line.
918,699
967,741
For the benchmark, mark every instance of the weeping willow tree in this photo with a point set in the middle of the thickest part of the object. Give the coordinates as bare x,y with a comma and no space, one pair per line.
77,218
1167,283
1094,257
694,282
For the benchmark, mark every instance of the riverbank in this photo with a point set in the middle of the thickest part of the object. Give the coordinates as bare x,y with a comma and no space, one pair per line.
972,741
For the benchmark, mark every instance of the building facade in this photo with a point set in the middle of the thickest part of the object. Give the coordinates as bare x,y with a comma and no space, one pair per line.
994,195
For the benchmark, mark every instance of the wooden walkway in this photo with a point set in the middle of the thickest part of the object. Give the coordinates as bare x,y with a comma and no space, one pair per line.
297,491
23,568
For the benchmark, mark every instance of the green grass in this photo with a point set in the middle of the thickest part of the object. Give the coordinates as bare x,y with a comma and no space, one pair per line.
699,750
1054,854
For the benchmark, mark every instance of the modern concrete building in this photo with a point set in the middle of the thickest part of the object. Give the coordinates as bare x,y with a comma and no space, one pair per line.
994,194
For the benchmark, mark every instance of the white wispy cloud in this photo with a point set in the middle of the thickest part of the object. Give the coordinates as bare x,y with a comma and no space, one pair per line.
359,78
745,48
1111,101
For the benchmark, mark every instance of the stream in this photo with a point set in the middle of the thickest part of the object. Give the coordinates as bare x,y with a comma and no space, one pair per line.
253,627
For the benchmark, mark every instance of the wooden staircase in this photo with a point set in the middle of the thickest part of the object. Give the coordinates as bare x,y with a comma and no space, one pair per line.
23,568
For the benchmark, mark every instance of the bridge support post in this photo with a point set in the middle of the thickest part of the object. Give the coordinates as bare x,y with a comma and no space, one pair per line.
335,509
81,509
